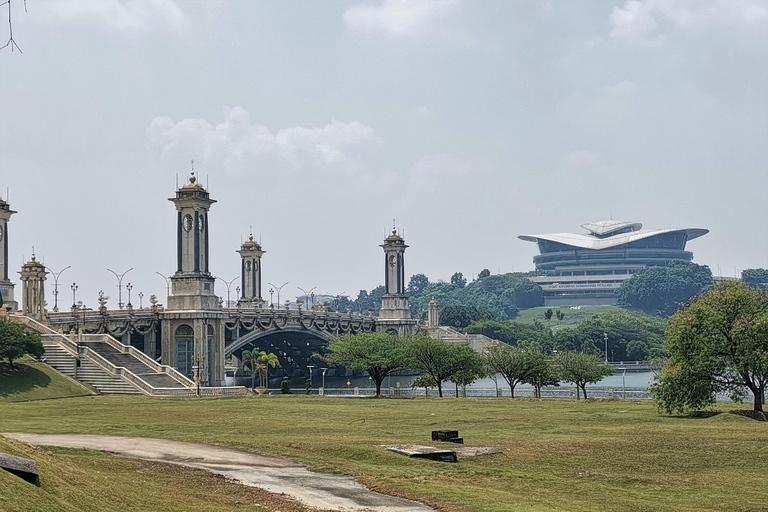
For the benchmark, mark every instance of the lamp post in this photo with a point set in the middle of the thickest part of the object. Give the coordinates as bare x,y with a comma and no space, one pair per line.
324,370
228,285
141,300
129,287
120,286
605,337
306,293
278,290
74,292
623,382
337,296
309,367
56,286
167,287
271,302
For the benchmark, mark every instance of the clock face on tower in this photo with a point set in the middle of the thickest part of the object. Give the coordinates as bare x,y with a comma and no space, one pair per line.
187,223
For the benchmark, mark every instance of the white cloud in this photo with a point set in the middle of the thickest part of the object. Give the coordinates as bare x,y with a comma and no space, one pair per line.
237,142
400,17
646,21
121,15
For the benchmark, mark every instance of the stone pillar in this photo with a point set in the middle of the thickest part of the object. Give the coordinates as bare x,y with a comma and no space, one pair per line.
433,319
6,286
33,276
250,272
395,313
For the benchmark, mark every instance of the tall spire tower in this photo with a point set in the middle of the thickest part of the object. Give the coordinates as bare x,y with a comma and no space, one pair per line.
192,284
6,286
395,313
250,272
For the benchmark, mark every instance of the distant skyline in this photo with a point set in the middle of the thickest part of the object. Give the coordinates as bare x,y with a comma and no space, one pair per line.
318,123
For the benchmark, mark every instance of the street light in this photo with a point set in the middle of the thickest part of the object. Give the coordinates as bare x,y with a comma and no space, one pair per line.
167,287
141,300
324,370
56,286
309,367
623,382
74,292
271,302
129,287
228,284
337,296
278,290
306,293
120,286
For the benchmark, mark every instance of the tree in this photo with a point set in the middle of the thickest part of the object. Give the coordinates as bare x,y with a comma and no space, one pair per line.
718,343
541,372
263,362
249,359
459,280
424,381
755,277
460,317
581,369
417,284
377,353
437,358
484,273
548,315
474,369
15,342
510,362
527,336
660,290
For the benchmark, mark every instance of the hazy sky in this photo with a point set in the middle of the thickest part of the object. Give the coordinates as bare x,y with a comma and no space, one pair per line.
319,122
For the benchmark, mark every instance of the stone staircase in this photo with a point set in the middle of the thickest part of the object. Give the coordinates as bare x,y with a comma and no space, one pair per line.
108,365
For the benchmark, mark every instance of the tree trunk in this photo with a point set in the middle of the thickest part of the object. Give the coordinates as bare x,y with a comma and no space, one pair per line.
378,387
578,393
440,389
584,389
457,389
512,390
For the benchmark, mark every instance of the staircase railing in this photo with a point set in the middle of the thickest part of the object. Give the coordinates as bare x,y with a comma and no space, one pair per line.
141,356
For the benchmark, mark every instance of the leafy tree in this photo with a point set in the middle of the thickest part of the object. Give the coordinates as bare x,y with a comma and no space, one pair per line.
637,350
581,369
377,353
425,381
755,277
461,316
560,315
259,363
437,358
263,362
15,342
474,369
718,343
541,372
459,280
417,284
533,337
548,315
510,362
484,273
659,290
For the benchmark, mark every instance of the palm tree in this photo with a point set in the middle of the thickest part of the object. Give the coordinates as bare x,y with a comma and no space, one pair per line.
263,362
249,358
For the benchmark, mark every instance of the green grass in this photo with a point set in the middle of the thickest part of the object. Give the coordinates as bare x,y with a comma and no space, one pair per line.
30,380
572,316
559,455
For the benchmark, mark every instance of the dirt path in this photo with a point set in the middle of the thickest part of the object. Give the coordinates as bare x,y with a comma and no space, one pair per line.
321,490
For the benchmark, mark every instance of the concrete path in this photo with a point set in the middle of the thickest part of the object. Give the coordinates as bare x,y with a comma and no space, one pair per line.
321,490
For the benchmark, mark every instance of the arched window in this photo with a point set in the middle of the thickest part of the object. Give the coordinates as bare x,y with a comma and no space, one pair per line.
185,349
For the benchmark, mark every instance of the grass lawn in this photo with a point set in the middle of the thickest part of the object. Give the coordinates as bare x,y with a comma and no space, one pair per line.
559,455
30,380
572,316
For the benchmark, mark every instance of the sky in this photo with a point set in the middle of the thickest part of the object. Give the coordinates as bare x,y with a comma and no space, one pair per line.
319,124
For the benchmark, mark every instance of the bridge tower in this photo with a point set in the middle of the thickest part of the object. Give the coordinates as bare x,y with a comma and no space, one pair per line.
250,272
395,313
33,277
6,286
192,325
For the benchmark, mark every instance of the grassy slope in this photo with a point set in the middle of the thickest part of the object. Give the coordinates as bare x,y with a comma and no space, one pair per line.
572,316
30,380
558,454
80,480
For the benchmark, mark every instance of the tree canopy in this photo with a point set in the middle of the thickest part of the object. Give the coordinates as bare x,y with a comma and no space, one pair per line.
581,369
755,277
717,344
459,317
438,359
659,290
15,342
377,353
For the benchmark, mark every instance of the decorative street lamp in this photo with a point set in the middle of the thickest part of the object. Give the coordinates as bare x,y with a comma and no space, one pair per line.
324,370
167,287
271,302
74,292
120,286
337,297
56,286
278,290
129,287
228,284
306,294
141,300
309,367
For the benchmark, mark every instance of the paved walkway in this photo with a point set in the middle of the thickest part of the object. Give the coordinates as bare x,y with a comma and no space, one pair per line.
321,490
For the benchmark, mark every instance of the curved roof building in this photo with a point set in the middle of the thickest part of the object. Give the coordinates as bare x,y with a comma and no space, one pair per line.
588,268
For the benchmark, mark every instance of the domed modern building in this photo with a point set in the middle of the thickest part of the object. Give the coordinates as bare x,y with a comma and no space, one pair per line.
588,268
